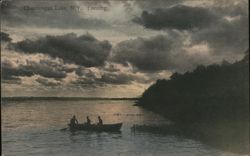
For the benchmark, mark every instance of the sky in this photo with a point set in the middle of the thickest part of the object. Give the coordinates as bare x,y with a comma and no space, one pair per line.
114,48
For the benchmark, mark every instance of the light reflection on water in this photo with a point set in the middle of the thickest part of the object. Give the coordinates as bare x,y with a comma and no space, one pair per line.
33,128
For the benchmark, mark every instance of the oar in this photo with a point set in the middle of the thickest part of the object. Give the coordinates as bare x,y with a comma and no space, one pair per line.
63,129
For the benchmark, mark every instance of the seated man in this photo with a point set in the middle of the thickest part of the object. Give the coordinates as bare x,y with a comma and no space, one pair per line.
88,121
73,120
100,121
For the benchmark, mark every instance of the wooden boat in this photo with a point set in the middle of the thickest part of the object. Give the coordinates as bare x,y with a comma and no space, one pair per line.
98,128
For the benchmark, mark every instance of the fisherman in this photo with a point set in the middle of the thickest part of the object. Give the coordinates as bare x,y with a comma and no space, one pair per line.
100,121
88,121
73,120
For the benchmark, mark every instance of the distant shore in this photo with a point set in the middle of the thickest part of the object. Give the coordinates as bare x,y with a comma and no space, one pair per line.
62,98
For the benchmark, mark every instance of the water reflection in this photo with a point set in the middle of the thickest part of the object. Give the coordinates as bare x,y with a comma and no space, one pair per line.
33,128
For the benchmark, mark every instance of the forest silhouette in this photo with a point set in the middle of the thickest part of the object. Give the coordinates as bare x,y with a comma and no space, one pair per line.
211,102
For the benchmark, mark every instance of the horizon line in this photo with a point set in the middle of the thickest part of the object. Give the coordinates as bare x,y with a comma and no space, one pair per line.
68,97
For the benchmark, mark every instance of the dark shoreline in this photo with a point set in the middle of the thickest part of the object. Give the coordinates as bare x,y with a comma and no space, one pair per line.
210,104
61,98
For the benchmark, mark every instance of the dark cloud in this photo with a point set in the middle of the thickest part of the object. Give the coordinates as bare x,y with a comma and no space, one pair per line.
84,50
230,34
12,71
158,53
151,5
173,53
177,17
222,25
86,82
231,7
225,37
81,71
103,77
5,37
17,13
106,79
116,78
44,69
145,54
10,80
57,65
47,82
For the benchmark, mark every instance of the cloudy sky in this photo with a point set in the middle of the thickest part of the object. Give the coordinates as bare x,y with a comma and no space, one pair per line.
113,48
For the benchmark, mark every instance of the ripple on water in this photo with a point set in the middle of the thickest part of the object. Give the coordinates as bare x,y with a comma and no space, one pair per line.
33,128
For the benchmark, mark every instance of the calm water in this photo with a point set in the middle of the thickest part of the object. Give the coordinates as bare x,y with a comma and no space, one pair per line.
33,128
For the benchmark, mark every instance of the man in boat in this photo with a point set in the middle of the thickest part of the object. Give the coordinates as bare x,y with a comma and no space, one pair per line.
88,121
99,121
73,120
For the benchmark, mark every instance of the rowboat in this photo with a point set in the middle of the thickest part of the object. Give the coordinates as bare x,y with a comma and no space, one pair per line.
98,128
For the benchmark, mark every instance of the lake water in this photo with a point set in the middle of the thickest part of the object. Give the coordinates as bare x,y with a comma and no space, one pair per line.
34,128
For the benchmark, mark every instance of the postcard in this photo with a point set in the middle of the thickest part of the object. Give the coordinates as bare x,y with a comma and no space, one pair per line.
125,77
